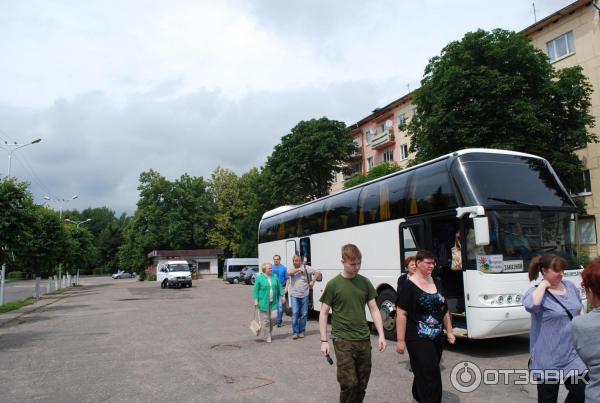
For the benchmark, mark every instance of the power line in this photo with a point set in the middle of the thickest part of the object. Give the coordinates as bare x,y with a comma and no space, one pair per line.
35,178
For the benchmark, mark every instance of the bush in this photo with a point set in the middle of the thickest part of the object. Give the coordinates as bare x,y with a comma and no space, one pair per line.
151,277
101,271
15,275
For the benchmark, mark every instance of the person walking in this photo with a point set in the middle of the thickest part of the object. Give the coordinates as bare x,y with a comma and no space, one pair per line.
421,315
552,304
266,291
302,279
346,295
282,275
411,267
586,329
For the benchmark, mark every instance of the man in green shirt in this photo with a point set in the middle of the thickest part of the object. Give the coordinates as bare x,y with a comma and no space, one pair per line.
347,294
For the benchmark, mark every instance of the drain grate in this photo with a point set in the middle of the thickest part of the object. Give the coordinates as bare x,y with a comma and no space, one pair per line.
225,347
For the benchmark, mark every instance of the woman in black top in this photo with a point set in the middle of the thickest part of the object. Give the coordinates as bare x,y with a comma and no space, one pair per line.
422,314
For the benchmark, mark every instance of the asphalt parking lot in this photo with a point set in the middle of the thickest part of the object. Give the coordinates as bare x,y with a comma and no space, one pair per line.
131,341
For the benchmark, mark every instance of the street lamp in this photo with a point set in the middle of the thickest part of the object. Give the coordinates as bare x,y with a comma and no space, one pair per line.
60,202
78,223
14,147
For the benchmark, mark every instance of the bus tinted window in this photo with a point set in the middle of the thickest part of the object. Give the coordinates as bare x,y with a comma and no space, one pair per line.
268,229
288,225
310,218
502,179
398,194
340,210
368,204
431,190
374,203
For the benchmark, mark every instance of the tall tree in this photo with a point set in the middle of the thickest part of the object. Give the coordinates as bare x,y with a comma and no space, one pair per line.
301,166
385,168
229,208
495,90
170,215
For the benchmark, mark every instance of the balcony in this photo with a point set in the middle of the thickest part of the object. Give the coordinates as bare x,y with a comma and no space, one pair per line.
384,139
356,154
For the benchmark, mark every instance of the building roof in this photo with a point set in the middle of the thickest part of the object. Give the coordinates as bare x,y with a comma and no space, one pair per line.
185,253
552,18
381,111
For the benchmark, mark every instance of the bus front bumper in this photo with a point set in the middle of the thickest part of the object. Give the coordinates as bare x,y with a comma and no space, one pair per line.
484,323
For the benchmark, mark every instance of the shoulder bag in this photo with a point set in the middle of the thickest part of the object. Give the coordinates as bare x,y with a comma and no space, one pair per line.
255,326
569,314
456,257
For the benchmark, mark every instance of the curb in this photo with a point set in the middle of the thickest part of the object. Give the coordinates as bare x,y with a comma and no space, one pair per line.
45,300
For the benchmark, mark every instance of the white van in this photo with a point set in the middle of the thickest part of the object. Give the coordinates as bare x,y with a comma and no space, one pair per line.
174,273
235,264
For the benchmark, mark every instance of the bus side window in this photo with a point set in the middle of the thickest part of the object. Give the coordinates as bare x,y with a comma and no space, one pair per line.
305,249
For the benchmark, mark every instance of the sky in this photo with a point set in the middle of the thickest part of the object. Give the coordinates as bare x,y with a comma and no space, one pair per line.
115,88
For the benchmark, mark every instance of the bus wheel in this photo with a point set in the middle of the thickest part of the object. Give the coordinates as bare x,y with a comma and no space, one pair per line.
387,307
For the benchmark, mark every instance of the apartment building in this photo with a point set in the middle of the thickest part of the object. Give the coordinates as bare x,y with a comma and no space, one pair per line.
380,137
570,36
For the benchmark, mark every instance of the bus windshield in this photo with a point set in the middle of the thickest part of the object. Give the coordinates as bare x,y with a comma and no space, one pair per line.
516,236
488,179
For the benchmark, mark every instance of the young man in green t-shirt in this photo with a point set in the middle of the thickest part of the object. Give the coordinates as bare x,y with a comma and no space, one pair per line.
347,294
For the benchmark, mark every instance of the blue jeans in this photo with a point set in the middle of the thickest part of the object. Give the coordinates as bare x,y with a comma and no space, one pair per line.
280,309
299,314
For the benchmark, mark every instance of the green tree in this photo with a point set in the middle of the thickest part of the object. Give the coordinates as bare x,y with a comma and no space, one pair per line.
170,215
385,168
495,90
17,219
229,208
301,166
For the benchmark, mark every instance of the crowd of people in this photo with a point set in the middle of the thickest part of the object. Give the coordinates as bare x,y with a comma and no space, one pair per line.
564,338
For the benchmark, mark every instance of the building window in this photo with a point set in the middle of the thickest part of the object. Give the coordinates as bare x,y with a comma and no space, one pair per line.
561,47
414,111
369,135
333,177
586,184
403,152
587,230
369,163
402,119
388,155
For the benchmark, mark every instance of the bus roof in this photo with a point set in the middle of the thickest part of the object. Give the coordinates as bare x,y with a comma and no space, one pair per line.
283,209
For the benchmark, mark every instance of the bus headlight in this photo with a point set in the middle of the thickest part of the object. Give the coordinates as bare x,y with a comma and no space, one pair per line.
501,299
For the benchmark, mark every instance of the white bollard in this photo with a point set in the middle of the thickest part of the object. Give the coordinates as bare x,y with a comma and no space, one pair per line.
55,282
37,287
48,286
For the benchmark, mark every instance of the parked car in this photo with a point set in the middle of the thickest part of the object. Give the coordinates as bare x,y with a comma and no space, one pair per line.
122,274
250,277
235,277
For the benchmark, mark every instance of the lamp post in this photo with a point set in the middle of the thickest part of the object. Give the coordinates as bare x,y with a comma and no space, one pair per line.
77,224
60,202
14,147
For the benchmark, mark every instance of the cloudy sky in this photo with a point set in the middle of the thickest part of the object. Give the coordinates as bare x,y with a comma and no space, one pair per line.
115,88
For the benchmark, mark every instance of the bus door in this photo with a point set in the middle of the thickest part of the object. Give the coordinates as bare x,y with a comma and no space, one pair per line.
290,251
411,240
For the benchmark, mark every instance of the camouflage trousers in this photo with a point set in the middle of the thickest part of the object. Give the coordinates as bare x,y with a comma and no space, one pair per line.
353,368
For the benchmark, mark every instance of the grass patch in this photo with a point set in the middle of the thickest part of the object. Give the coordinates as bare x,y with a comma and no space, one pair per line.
11,306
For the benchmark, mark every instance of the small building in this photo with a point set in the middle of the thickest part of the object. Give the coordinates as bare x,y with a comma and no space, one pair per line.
203,262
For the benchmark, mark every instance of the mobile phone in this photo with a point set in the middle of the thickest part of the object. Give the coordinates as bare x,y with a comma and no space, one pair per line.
329,360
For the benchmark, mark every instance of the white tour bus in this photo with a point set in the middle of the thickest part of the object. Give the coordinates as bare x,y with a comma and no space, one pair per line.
506,207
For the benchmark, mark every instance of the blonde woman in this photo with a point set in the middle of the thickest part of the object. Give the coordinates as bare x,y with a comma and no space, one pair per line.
266,293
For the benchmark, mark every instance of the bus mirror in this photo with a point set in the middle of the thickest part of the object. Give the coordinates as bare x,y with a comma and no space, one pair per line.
482,231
